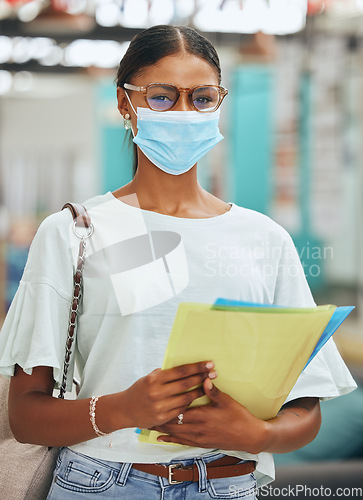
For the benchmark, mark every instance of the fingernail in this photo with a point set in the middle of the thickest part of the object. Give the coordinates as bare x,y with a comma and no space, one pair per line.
209,365
213,374
209,384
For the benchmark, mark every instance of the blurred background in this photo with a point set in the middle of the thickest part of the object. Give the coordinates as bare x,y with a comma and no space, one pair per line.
293,127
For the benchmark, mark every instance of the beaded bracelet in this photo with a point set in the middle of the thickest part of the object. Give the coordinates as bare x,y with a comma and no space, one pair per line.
92,414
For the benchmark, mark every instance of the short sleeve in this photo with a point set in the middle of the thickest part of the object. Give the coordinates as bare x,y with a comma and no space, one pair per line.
35,329
326,376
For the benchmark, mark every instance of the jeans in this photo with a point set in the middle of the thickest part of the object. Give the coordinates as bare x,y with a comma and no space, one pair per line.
78,476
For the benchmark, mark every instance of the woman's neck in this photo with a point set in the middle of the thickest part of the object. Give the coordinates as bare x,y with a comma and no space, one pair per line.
176,195
164,192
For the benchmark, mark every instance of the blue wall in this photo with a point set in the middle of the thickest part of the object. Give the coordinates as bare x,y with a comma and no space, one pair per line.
252,147
251,105
115,149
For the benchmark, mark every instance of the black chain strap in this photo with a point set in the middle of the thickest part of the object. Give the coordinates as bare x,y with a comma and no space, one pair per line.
81,219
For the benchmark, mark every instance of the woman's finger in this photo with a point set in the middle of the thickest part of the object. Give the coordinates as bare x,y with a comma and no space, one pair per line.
180,402
186,384
185,371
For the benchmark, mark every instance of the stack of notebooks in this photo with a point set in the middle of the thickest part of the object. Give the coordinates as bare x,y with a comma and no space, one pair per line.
258,350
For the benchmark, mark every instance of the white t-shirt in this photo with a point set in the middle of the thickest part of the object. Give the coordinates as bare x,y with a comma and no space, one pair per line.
140,265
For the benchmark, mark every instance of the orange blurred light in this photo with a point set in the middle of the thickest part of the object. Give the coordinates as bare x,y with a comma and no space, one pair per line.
13,2
315,7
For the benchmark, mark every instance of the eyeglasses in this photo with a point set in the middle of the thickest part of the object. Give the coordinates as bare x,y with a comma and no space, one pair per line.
163,97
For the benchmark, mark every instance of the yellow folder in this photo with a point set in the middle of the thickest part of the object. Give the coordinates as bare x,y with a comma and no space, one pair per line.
258,353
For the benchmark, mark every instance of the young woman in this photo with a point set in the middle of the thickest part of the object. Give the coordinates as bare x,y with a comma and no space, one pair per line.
157,241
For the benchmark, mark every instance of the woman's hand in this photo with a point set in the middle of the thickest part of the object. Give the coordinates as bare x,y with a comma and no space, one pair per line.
160,396
225,424
38,417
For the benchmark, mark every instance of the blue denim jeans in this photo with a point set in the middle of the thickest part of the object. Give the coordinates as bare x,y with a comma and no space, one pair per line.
78,476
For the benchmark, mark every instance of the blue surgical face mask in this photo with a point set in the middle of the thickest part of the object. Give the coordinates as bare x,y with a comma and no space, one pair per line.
175,140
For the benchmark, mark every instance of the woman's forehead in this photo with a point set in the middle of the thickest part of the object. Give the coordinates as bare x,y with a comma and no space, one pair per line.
184,70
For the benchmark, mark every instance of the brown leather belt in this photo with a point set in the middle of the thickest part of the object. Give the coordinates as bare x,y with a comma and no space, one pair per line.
176,473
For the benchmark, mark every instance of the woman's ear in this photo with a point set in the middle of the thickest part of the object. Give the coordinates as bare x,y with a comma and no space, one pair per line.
122,102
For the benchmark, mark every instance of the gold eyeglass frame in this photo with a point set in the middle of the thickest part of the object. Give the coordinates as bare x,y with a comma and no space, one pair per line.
222,94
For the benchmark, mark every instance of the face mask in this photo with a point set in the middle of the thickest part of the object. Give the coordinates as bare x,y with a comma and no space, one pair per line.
175,140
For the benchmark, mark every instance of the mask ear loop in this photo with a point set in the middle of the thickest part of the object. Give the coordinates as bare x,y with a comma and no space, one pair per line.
133,109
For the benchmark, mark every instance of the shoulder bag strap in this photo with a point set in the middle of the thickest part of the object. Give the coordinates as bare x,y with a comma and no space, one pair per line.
81,222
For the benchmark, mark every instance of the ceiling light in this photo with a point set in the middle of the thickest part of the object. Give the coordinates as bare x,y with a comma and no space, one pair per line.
79,53
100,53
51,56
40,46
105,54
76,6
272,17
285,17
107,14
21,52
209,16
161,12
6,81
6,47
184,8
135,14
29,11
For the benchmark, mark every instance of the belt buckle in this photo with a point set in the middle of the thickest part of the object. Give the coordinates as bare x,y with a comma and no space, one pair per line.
170,476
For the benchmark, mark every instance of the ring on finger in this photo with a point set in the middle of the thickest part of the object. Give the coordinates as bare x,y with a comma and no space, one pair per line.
180,418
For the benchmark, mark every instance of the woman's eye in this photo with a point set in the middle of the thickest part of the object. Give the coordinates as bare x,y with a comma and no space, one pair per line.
203,99
160,97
